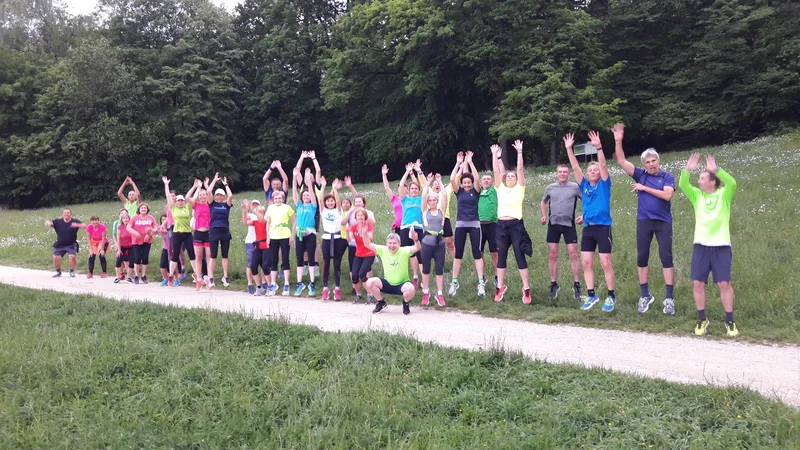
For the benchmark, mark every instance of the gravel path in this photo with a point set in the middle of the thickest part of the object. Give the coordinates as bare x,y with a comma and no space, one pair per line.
769,369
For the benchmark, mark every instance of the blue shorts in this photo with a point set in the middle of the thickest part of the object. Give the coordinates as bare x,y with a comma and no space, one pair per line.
65,250
714,260
392,289
249,248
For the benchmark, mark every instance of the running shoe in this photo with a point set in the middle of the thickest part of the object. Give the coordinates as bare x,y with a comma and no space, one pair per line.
226,281
194,278
370,299
645,302
285,290
576,291
357,299
669,306
406,308
205,280
440,300
164,282
58,274
453,288
116,280
299,289
701,327
272,290
380,306
337,294
251,289
183,274
526,296
608,305
312,290
730,328
210,283
416,282
103,275
590,301
554,288
72,274
481,289
326,293
501,291
130,280
176,282
144,280
260,291
198,285
136,280
89,275
426,296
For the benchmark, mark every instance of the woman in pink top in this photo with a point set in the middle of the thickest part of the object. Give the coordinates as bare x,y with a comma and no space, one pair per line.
98,245
145,226
163,231
124,239
397,204
199,200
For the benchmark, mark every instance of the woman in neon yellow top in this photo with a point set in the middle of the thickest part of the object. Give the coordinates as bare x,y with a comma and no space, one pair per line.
280,223
182,232
511,231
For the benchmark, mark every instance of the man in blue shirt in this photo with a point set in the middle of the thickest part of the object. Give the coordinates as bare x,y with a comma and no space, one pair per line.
654,188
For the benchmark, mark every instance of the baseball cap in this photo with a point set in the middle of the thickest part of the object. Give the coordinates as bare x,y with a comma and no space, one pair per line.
180,197
219,192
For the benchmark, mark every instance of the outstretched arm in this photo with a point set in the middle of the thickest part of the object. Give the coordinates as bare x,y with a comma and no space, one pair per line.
265,180
349,183
402,190
317,169
468,159
121,191
295,176
684,182
386,187
228,192
245,218
191,196
497,165
284,177
166,190
454,175
135,189
310,186
601,157
569,141
724,177
520,163
619,153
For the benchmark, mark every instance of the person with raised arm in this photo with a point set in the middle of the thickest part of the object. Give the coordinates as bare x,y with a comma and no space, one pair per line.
394,260
654,189
124,239
712,237
220,233
249,219
487,213
261,256
511,231
397,205
181,213
66,243
280,223
272,184
468,223
131,202
348,220
305,233
596,201
201,204
333,243
432,243
145,226
412,211
559,205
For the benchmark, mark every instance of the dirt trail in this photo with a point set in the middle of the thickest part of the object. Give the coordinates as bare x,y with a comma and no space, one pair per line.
771,370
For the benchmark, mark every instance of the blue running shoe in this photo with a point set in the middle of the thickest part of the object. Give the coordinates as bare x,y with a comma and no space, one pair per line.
312,290
297,291
58,274
590,301
72,274
176,282
608,306
164,282
285,290
272,290
250,289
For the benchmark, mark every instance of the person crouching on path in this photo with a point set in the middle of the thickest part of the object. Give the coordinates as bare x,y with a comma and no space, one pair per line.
395,260
98,245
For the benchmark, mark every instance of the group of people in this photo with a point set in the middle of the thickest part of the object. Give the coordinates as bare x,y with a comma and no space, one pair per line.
323,225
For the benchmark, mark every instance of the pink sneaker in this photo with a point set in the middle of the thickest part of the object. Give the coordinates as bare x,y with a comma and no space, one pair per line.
425,298
416,282
526,296
337,294
325,294
440,300
103,275
501,291
88,275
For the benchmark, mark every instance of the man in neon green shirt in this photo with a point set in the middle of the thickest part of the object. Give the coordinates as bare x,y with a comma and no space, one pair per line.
395,281
712,237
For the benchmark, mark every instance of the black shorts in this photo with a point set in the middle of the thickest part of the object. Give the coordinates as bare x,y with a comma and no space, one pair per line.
392,289
201,239
71,250
597,237
554,233
164,259
406,241
448,228
219,234
714,260
489,236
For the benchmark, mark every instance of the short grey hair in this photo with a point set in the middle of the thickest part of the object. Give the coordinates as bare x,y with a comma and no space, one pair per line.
648,153
394,236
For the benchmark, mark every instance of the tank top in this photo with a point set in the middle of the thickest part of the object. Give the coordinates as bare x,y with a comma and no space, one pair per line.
433,228
412,211
202,216
331,222
125,237
261,234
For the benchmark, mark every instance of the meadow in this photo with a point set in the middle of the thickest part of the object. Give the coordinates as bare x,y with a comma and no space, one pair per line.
86,372
764,234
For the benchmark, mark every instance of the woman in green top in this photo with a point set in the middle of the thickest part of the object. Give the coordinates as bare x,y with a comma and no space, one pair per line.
132,201
712,237
181,233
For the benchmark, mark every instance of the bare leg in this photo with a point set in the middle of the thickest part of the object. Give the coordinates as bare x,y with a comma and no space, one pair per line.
644,274
57,262
501,275
574,262
699,291
587,260
450,243
439,283
479,268
456,268
523,274
608,270
552,261
73,262
726,295
669,276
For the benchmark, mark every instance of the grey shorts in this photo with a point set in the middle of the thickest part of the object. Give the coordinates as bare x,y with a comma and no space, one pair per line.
249,248
65,250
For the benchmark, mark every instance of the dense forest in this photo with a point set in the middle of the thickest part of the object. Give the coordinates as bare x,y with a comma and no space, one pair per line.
185,88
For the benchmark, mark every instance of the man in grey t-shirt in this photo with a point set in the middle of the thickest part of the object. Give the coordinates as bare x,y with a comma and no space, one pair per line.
562,198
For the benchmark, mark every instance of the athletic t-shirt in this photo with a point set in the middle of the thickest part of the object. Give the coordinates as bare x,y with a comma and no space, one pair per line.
141,224
202,216
650,206
397,205
563,200
361,250
712,212
260,232
331,222
132,207
66,235
433,227
412,211
96,232
181,216
467,205
220,214
279,221
596,202
251,230
305,215
487,205
395,266
124,236
509,201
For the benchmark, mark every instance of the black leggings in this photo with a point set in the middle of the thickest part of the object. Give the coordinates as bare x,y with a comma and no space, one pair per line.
141,254
509,234
306,249
215,246
435,252
645,229
474,240
185,240
261,258
332,249
103,262
283,245
351,255
361,266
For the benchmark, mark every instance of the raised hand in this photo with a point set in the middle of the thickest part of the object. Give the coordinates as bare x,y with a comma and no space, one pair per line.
197,182
205,182
337,184
711,164
430,178
468,157
272,166
245,203
348,181
276,164
216,176
594,138
418,165
224,181
312,154
409,167
497,151
460,157
439,178
619,131
323,181
518,146
693,162
569,140
165,180
385,169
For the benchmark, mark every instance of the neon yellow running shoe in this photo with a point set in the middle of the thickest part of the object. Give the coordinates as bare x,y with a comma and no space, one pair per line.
730,327
702,326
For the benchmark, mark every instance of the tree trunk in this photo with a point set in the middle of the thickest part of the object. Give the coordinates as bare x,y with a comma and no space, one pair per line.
553,154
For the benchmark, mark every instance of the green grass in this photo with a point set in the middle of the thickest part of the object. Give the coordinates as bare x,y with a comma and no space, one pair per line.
84,372
764,232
